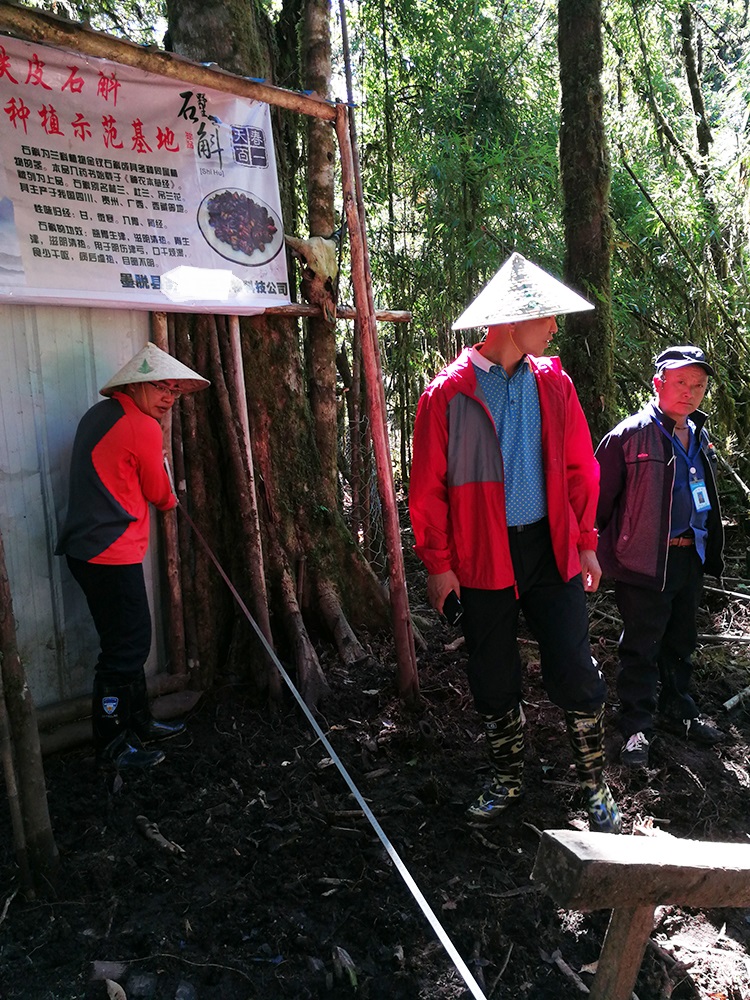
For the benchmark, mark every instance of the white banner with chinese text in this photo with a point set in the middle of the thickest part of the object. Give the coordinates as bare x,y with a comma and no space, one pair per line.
124,188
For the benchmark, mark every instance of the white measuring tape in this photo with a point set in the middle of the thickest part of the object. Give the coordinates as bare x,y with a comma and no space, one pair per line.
393,853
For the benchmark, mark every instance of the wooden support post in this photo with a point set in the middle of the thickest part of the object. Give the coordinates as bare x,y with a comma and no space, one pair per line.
622,952
402,627
177,650
633,875
256,568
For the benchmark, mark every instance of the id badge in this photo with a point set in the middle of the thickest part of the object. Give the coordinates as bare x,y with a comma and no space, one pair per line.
700,495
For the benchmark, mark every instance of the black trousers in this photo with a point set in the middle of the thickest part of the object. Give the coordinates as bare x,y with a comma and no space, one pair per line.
658,639
117,600
556,613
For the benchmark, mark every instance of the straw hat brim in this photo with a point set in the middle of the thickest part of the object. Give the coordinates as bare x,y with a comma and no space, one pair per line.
519,291
154,365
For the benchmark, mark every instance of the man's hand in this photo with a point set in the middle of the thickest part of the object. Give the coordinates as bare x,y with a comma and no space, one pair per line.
439,585
590,570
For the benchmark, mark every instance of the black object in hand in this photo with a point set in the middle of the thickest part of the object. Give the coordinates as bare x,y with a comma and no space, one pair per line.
452,610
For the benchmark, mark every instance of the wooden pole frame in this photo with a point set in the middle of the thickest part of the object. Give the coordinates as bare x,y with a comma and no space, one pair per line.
363,297
49,29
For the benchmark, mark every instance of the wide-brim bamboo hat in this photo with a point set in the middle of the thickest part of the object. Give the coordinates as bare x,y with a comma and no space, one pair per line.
520,290
154,365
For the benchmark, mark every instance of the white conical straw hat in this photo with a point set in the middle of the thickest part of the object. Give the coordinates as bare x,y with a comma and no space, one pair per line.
154,365
520,290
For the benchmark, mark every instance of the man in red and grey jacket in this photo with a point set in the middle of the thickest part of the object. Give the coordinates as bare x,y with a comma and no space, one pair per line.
116,471
503,494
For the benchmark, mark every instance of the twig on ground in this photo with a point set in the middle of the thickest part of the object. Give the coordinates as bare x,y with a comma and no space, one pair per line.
727,593
502,969
557,959
6,905
521,890
483,840
478,964
150,831
737,698
714,637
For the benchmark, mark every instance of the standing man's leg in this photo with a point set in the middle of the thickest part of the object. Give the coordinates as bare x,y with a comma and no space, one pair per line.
495,679
557,614
118,602
677,709
645,614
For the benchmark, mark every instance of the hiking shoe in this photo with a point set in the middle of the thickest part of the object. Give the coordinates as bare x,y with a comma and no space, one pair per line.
699,730
493,802
604,816
634,751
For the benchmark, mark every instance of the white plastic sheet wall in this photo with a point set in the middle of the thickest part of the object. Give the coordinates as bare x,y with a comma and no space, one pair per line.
52,362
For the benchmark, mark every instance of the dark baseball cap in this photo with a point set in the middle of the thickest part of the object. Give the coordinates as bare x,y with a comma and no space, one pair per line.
680,357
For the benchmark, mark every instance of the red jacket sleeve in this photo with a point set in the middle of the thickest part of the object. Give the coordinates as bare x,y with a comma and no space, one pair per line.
428,485
148,448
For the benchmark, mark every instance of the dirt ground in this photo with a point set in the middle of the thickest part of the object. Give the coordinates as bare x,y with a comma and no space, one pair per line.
278,886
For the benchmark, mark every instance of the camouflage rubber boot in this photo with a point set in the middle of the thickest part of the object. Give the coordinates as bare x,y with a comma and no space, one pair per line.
504,735
586,734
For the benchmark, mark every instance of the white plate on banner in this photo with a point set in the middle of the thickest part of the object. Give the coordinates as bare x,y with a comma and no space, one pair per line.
235,224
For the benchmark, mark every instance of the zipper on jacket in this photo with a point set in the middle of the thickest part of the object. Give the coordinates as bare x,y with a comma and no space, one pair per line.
673,463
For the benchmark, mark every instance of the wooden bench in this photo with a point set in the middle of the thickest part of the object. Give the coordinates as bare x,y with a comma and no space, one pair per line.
632,876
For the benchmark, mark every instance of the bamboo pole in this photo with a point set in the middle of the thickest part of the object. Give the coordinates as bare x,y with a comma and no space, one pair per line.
177,655
179,418
39,862
299,309
255,553
402,628
11,788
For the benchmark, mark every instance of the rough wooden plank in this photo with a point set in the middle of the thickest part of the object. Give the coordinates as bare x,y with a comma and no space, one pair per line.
41,26
622,953
592,871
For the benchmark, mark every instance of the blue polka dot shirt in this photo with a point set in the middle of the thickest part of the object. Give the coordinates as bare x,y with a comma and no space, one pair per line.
514,405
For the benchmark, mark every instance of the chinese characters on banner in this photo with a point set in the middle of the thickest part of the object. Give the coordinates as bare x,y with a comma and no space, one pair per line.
114,177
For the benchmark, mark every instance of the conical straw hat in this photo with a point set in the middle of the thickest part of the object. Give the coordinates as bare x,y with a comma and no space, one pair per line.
520,290
154,365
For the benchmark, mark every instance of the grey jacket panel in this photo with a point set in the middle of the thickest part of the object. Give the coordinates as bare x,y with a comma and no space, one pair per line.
482,462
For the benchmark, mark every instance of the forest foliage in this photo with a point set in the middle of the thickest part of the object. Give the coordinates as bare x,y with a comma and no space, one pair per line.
458,114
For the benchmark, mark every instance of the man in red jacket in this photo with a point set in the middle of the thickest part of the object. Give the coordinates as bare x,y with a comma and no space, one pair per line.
503,494
116,471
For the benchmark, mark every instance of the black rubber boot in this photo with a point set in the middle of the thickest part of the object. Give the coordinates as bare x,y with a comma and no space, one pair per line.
115,745
504,735
126,751
143,724
586,734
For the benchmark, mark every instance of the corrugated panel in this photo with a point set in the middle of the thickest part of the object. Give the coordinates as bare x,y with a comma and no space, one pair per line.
52,363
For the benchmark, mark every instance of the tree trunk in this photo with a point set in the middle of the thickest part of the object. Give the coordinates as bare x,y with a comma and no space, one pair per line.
585,172
321,334
27,792
296,488
718,241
